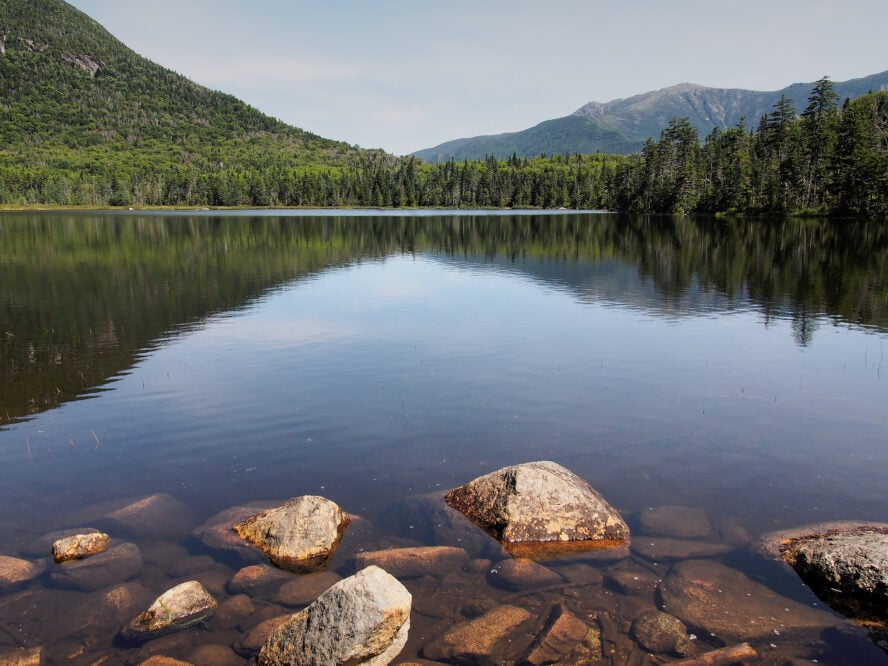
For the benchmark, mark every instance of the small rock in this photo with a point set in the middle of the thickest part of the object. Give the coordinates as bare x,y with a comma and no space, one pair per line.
415,562
540,509
232,612
517,575
708,596
113,566
479,641
631,580
363,619
22,657
579,574
78,546
15,571
189,566
159,660
258,580
661,633
561,634
302,590
217,655
39,547
661,549
301,535
159,516
176,609
253,640
683,522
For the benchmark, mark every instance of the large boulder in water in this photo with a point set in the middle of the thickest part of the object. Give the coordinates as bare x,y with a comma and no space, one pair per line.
845,566
540,509
363,619
301,535
177,608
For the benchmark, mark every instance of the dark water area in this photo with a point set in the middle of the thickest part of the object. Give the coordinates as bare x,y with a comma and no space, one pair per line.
736,368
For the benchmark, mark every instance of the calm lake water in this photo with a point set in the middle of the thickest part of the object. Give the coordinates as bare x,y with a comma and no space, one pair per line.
372,357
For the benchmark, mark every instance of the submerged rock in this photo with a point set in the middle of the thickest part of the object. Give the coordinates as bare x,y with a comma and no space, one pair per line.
216,532
540,509
15,571
415,562
660,549
363,619
708,596
672,520
481,640
78,546
848,570
301,535
110,567
661,633
22,657
176,609
559,636
158,516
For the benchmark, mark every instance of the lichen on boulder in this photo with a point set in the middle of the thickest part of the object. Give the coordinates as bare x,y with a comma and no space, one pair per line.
540,509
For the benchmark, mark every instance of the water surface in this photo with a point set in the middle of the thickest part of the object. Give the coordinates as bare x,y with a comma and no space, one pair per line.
373,357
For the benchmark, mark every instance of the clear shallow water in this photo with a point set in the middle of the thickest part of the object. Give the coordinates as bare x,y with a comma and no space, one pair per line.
224,359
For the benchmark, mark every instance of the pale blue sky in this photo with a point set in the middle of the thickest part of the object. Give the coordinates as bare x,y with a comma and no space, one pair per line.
409,74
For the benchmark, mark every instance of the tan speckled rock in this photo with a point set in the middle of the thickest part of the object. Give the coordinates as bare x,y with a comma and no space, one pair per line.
22,657
363,619
538,507
301,535
78,546
177,608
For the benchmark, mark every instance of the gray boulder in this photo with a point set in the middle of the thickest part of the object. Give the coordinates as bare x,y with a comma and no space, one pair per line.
540,509
848,570
363,619
176,609
301,535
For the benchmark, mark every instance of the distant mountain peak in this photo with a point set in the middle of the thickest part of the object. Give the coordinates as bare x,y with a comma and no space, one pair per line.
623,125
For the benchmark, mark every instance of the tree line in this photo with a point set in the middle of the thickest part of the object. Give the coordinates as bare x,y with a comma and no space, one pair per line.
828,159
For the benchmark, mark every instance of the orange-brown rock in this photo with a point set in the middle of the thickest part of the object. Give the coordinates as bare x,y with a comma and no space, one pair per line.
480,640
78,546
15,571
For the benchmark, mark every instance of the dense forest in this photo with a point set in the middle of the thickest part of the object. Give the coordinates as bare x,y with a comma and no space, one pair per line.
85,121
829,159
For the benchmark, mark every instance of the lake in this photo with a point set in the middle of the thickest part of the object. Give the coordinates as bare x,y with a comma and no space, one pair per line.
378,358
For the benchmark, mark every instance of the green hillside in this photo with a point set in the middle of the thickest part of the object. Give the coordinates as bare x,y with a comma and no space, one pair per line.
75,99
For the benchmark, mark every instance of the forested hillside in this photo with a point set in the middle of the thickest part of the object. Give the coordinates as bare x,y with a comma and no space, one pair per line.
86,121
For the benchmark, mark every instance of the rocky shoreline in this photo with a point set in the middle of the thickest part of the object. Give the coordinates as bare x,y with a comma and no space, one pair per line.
528,564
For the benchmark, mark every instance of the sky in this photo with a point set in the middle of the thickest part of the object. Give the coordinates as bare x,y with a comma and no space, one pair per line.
403,75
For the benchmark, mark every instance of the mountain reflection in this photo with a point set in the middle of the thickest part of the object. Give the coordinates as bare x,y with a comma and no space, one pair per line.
84,296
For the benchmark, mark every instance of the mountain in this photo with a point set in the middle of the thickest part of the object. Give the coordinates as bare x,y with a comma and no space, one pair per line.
623,125
73,97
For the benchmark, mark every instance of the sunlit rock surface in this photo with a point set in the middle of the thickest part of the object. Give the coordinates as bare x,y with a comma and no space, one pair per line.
177,608
78,546
540,509
300,535
363,619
